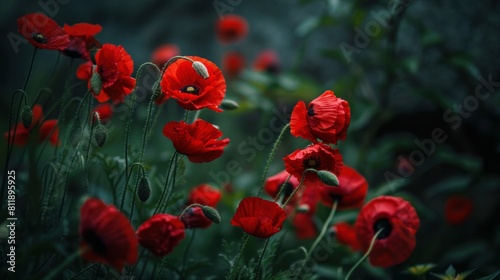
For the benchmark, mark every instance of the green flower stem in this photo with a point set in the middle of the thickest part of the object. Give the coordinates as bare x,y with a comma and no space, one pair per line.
270,158
282,187
31,68
196,115
171,161
155,121
326,225
174,175
127,181
257,271
11,137
300,185
365,255
86,164
184,276
236,269
146,128
54,273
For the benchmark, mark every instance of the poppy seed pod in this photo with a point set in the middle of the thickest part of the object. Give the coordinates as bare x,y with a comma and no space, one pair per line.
328,178
229,105
100,134
211,214
201,69
144,190
95,83
27,116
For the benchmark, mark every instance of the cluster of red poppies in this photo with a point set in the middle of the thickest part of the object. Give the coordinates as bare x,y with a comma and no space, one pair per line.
196,83
107,235
325,121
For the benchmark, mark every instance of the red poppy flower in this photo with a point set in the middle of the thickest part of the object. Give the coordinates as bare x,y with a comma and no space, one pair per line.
231,28
106,234
319,157
398,221
164,53
350,193
50,130
305,227
84,71
233,63
457,209
161,233
267,61
192,91
194,218
205,195
81,39
105,111
326,118
346,235
114,65
259,217
274,183
199,141
42,32
22,133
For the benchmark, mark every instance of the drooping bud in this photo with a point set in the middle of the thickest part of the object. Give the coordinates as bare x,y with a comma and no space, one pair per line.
201,69
100,134
211,214
144,190
228,104
75,132
27,116
328,178
95,83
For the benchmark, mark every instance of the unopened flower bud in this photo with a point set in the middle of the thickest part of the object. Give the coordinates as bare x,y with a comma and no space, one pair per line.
75,132
201,69
228,104
100,134
95,83
27,116
328,178
144,190
211,214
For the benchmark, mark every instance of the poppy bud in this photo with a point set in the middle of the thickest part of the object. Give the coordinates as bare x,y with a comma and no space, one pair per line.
75,132
211,214
144,191
228,104
96,83
328,178
100,135
27,116
201,69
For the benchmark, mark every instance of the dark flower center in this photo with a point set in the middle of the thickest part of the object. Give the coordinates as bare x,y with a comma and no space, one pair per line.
231,33
39,38
385,226
95,241
272,68
190,89
312,162
310,111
